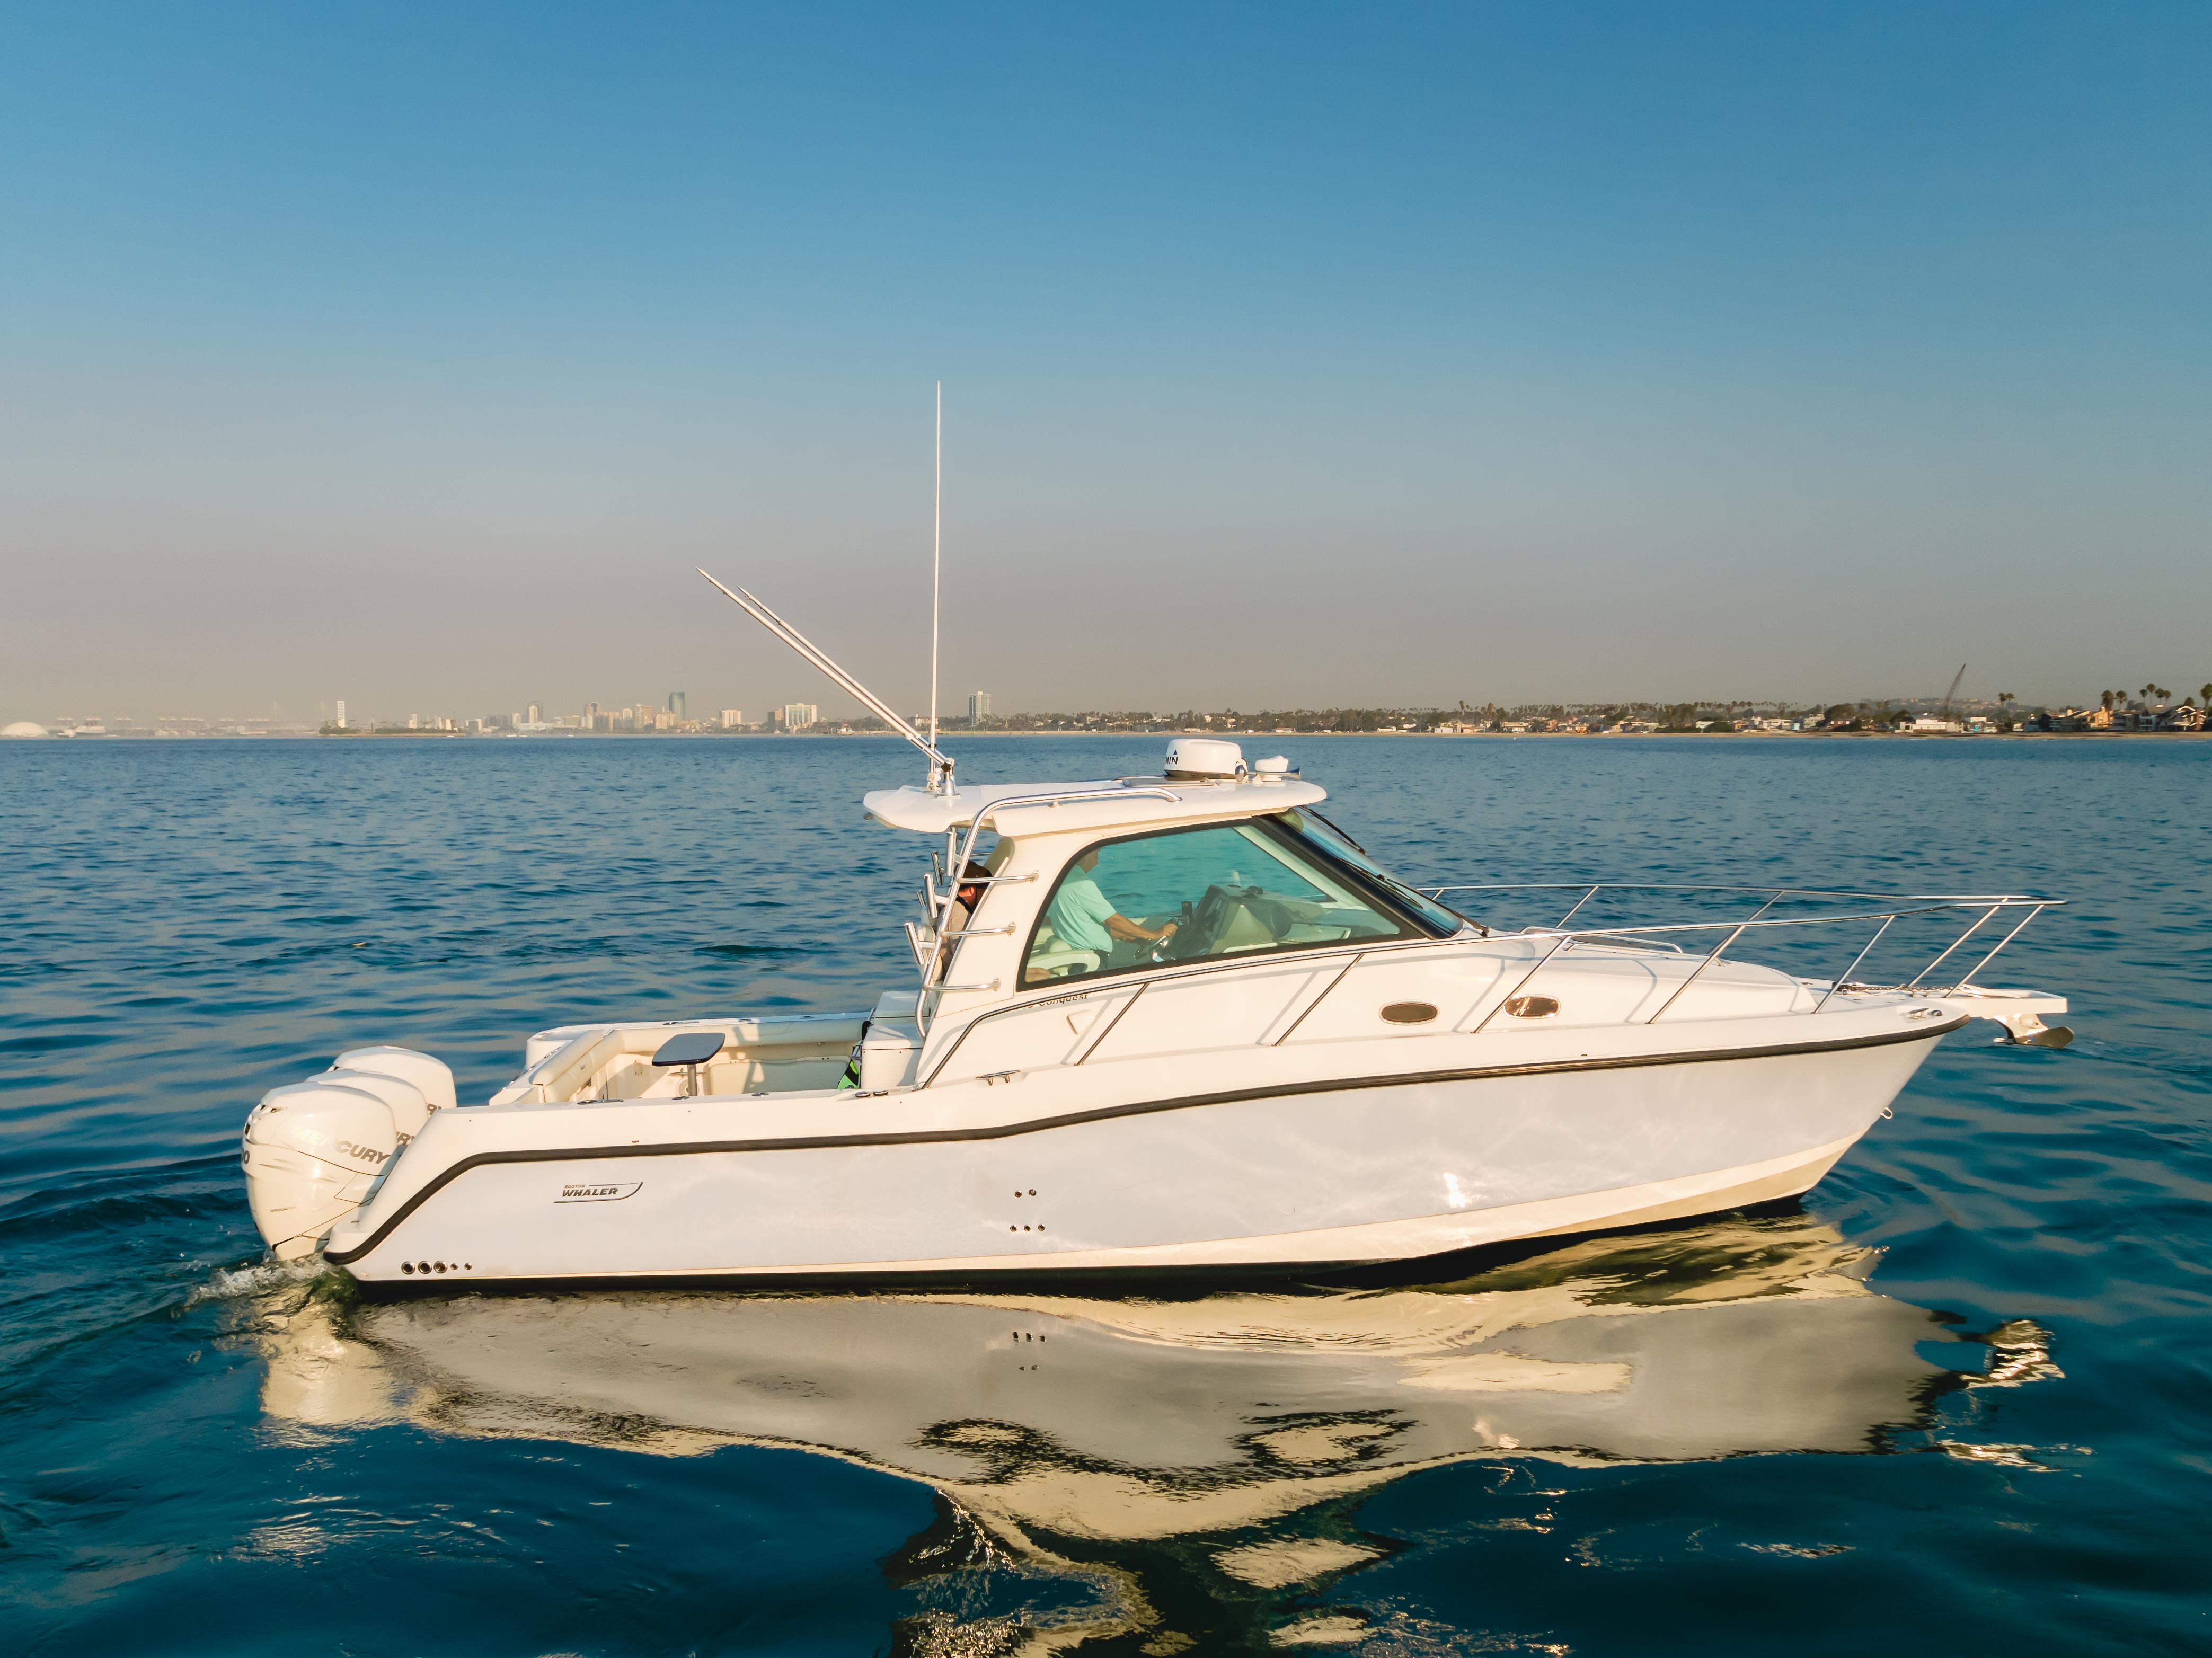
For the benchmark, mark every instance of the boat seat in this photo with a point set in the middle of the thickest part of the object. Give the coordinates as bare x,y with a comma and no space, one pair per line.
1050,958
1058,964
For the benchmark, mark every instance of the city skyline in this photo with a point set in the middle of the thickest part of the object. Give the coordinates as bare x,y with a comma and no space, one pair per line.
2150,707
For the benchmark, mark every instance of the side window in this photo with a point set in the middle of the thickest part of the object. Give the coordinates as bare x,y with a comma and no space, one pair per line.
1191,895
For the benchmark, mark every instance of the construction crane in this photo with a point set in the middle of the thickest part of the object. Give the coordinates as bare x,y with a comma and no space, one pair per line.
1952,695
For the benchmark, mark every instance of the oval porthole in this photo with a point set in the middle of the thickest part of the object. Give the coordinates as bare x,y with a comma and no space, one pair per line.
1409,1013
1532,1007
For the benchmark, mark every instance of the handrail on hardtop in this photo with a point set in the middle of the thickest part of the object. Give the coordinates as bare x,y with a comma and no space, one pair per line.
1563,938
958,851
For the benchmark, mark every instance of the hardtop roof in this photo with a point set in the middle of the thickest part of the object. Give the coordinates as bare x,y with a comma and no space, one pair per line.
1105,803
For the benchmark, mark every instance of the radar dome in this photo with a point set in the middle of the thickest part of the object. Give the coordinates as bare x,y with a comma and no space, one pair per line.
23,728
1196,759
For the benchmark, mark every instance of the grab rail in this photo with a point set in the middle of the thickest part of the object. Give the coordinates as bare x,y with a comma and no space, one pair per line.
1171,975
1562,938
957,852
1918,904
1052,798
1590,890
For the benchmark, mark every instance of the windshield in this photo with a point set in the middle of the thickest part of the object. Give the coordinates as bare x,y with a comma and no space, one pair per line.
1180,895
1313,828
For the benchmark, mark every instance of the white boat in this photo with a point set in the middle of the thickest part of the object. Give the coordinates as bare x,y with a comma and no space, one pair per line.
1179,1023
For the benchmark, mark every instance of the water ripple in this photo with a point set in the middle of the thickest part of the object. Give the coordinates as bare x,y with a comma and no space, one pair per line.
1967,1387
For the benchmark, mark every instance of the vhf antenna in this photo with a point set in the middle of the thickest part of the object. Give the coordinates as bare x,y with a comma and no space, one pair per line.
936,565
940,768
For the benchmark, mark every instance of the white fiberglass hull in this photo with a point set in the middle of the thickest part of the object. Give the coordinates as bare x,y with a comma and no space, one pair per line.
1043,1173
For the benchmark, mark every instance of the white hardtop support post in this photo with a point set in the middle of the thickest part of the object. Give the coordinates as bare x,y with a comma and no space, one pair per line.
940,766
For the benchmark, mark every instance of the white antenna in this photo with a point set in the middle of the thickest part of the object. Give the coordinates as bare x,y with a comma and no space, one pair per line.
941,768
936,571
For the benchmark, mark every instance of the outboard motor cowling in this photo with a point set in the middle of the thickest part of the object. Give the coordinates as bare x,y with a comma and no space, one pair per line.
410,1110
432,1076
314,1149
311,1151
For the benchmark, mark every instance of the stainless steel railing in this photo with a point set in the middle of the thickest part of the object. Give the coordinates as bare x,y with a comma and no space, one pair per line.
1656,937
928,945
1988,904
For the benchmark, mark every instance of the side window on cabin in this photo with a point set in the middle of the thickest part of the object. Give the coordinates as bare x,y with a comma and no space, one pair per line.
1192,895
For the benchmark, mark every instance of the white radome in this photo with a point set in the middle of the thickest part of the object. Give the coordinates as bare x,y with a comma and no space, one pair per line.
24,728
1192,758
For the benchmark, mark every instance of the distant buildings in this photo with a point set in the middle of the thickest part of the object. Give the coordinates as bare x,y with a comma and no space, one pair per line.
2115,713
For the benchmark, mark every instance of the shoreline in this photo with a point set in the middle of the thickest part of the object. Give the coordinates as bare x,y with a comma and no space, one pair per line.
1233,736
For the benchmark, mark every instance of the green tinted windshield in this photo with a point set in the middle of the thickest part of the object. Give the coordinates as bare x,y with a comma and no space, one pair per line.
1180,895
1312,828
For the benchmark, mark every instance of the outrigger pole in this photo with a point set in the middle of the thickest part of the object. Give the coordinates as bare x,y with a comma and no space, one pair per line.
940,766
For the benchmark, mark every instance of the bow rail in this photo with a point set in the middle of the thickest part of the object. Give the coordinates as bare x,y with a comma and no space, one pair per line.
1989,905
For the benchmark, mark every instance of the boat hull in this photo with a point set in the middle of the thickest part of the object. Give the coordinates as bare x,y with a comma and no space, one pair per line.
1352,1171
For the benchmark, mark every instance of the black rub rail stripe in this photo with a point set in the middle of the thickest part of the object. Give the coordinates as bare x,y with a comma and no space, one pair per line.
1040,1124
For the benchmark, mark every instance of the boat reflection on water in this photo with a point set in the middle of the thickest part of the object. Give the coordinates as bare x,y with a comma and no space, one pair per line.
1189,1465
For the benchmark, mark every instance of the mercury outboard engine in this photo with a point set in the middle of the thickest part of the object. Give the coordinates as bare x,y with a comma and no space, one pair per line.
314,1149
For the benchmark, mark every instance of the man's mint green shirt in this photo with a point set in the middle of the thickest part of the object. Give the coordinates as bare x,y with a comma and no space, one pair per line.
1078,911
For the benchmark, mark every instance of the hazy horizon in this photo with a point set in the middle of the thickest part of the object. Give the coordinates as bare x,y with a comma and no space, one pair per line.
1293,357
954,718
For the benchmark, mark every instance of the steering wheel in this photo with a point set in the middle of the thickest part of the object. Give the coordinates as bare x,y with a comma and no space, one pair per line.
1201,928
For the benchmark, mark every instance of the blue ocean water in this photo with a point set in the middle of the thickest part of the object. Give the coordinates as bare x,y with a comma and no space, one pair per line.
1960,1398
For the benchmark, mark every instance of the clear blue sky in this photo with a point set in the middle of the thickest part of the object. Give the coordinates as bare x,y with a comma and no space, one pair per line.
1293,354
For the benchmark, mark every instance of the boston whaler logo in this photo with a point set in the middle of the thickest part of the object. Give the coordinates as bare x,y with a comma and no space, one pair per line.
598,1191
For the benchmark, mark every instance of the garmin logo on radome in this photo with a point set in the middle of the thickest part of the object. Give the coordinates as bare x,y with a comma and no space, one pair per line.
597,1192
